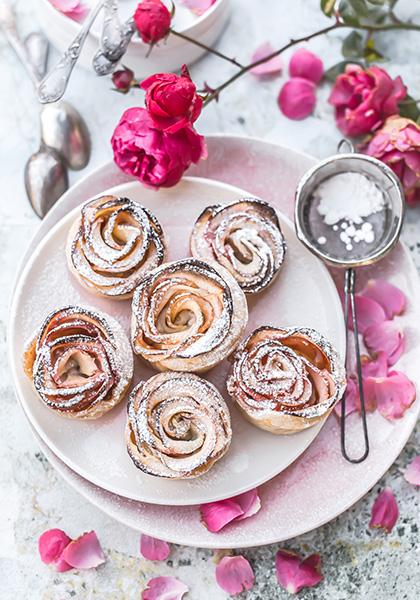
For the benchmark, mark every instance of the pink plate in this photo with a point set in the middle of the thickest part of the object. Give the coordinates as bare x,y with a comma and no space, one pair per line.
320,484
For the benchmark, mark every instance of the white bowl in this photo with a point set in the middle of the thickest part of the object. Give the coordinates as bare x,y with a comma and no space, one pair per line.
168,56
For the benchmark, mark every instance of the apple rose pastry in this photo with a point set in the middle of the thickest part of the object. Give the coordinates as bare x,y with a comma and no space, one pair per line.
80,362
286,380
113,244
187,316
245,238
178,426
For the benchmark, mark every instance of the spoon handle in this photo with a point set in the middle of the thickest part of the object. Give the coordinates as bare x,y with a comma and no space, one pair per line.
8,25
53,86
112,34
105,61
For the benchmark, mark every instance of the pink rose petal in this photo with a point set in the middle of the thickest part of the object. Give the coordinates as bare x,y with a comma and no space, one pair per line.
74,9
412,472
306,64
391,298
51,545
297,98
164,588
216,515
271,67
249,502
393,395
85,552
153,549
385,337
384,511
198,6
294,574
351,399
368,313
234,574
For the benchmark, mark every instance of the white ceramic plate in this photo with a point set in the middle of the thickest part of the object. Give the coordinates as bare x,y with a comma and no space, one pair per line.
303,294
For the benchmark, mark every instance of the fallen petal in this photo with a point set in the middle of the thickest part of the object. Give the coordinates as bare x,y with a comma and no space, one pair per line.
391,298
294,574
249,502
297,98
412,472
234,574
385,337
198,6
394,395
216,515
271,67
153,549
164,588
85,552
368,313
51,545
384,511
306,64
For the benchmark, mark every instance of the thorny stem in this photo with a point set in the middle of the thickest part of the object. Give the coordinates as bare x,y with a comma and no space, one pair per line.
207,48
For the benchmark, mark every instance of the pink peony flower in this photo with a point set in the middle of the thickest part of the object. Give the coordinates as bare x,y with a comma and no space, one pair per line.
153,20
234,574
156,158
397,144
199,7
172,100
153,549
306,64
122,79
384,511
216,515
73,9
297,98
294,574
364,98
412,472
391,298
51,545
268,68
164,588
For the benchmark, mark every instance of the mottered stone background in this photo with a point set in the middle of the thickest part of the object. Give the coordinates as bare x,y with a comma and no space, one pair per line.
357,562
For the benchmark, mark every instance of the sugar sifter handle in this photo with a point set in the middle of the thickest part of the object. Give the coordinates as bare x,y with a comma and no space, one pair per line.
349,302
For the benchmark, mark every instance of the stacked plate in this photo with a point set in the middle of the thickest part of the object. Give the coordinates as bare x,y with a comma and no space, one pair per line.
92,457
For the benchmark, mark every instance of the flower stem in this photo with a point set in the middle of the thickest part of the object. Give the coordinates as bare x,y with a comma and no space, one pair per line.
233,61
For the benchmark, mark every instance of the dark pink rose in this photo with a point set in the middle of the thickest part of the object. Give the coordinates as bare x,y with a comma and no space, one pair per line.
153,20
122,79
397,144
297,98
363,99
172,100
157,158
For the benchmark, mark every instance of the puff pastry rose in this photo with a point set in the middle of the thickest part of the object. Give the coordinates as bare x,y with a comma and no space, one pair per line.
80,362
178,426
113,244
187,316
285,380
245,238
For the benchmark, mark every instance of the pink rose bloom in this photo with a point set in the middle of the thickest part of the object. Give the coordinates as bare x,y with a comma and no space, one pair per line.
153,21
157,158
397,144
363,99
172,100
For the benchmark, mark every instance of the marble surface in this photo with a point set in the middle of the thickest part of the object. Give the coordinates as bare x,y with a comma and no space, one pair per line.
357,562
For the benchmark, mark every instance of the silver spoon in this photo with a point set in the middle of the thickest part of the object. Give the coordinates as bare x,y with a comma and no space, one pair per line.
108,56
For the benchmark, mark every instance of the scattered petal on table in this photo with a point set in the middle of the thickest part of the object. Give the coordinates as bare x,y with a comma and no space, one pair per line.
85,552
412,472
153,549
216,515
391,298
384,511
375,367
393,394
74,9
271,67
51,545
164,588
306,64
234,574
294,574
368,312
385,337
297,98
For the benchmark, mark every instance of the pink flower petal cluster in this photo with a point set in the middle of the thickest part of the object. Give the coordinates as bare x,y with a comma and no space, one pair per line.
297,97
58,549
385,389
234,574
73,9
164,588
384,511
294,574
364,98
216,515
397,144
152,20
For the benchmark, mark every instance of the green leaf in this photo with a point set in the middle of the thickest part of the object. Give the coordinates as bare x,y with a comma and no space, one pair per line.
333,72
327,7
371,54
409,109
378,2
360,7
347,13
353,45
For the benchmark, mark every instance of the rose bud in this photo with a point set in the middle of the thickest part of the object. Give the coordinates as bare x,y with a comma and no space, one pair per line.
122,79
297,98
153,21
307,65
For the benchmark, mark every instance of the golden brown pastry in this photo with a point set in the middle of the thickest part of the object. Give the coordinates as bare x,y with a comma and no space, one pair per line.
80,362
285,380
178,426
187,315
113,244
245,238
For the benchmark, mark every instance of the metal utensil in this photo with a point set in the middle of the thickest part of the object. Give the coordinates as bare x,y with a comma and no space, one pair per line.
107,57
46,179
387,231
54,84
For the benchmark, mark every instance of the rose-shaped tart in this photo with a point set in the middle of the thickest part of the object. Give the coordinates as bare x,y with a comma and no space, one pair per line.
187,316
178,425
286,380
113,244
80,362
245,238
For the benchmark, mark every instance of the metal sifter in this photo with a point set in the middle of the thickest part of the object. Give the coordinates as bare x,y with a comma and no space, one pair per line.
326,241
